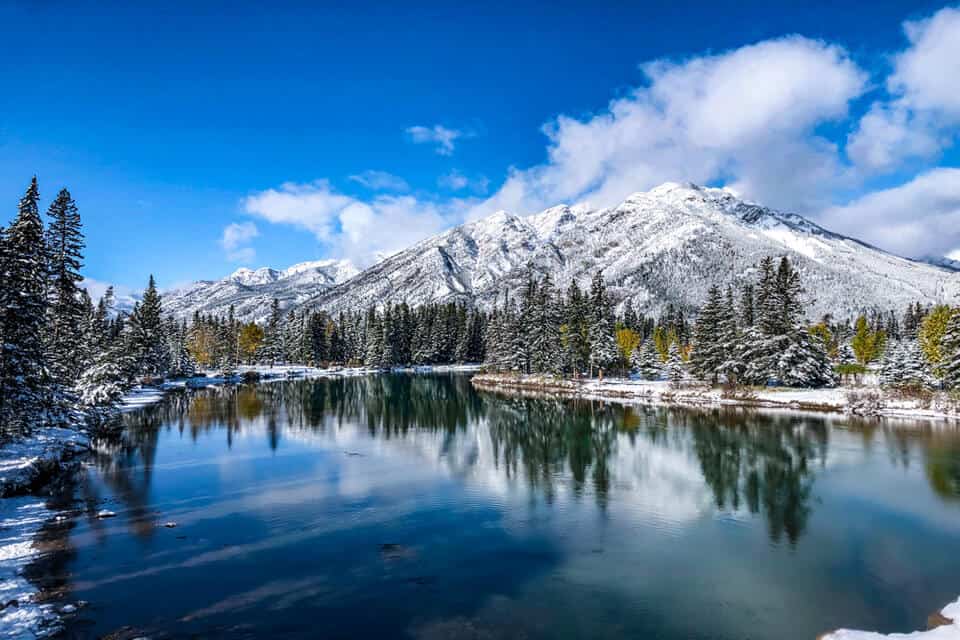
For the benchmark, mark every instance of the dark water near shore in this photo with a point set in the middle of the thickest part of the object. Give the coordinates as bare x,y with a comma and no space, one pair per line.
414,507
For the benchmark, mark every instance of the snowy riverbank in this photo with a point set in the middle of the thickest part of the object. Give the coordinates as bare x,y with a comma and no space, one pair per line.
29,464
838,400
942,626
25,466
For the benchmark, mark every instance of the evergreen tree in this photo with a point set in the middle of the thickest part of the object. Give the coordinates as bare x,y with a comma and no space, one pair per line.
904,366
23,304
733,365
708,348
66,305
950,350
272,349
674,366
603,345
148,344
646,361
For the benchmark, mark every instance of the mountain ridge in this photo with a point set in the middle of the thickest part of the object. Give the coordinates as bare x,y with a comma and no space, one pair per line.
664,246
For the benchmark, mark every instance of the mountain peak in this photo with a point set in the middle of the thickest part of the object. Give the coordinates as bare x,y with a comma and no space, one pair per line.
670,187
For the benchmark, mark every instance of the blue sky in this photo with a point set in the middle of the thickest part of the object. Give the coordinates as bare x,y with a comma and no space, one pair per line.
197,139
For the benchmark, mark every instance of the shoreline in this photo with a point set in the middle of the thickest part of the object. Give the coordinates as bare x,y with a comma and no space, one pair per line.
31,465
28,467
628,391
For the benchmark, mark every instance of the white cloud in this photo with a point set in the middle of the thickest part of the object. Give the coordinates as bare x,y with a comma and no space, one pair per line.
438,135
750,119
380,181
746,117
235,236
361,230
922,111
921,217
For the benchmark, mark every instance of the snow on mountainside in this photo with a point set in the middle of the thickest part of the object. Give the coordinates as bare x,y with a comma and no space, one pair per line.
251,292
667,245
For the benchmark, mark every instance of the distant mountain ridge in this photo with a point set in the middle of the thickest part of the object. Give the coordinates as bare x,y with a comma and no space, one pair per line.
667,245
251,292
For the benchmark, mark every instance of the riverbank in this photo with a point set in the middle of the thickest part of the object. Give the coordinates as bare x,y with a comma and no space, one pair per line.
862,401
29,465
944,625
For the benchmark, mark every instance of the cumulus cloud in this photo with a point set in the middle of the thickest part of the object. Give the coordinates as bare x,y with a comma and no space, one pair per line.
919,218
751,119
921,113
380,181
235,236
442,137
362,230
746,117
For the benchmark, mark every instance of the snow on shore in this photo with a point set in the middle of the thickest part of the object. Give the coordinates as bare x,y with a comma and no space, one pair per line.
948,631
22,616
661,392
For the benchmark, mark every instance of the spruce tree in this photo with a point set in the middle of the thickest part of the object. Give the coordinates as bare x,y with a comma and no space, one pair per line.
708,348
950,350
603,344
23,305
66,306
147,339
646,360
674,366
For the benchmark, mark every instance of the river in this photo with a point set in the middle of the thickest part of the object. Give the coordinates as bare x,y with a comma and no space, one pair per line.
413,506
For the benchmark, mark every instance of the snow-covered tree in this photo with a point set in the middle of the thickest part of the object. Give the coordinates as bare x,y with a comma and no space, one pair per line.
950,350
148,342
708,347
603,344
804,361
904,366
675,366
646,360
66,310
23,305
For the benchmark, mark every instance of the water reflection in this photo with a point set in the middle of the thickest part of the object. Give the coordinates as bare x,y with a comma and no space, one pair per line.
288,491
752,462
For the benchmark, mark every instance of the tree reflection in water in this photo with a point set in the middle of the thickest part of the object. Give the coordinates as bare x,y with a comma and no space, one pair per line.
752,462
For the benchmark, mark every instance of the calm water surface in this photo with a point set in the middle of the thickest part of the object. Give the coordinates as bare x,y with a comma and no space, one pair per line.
409,506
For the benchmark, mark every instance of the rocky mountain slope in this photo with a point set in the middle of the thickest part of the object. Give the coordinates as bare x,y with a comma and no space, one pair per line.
664,246
252,291
667,245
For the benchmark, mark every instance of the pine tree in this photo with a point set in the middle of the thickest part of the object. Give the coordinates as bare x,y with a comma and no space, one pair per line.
747,306
546,354
272,349
603,345
675,366
733,365
904,365
65,308
23,304
708,348
950,349
804,362
646,360
147,340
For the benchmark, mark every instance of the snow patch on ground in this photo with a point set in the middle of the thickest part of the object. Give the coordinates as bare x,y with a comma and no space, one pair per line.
22,616
661,392
946,632
22,461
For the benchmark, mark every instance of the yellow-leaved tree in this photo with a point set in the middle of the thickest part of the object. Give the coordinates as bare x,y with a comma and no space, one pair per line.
931,332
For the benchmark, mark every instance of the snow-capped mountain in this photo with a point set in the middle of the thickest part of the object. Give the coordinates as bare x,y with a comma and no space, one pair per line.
667,245
252,291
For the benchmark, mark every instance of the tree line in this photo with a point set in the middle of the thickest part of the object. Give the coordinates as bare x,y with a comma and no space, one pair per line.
64,357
